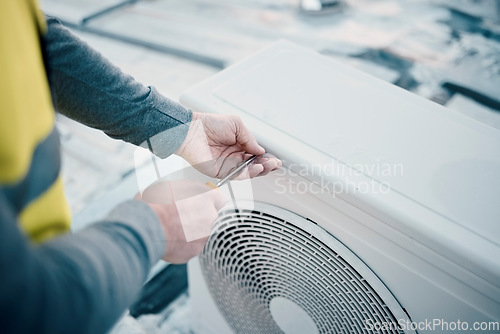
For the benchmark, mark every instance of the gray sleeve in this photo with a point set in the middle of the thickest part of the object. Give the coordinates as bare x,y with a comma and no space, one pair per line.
88,88
78,283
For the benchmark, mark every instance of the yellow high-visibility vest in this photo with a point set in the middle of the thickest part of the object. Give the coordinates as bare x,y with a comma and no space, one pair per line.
29,145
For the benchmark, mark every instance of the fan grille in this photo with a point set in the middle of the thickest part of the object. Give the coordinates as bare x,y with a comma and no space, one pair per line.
254,256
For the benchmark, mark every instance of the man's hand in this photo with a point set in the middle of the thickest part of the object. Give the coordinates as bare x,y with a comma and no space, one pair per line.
186,211
216,144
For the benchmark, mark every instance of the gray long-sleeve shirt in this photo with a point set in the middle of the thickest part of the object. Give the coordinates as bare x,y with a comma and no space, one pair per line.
81,283
91,90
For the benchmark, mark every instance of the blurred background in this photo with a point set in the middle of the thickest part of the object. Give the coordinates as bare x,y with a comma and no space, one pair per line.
445,51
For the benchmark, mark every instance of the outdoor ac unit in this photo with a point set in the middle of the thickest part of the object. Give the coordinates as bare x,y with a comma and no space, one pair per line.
386,210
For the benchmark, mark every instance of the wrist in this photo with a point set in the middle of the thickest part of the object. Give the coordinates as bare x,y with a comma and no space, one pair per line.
163,216
195,126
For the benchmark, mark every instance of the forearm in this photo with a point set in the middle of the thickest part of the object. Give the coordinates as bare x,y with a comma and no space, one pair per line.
77,283
91,90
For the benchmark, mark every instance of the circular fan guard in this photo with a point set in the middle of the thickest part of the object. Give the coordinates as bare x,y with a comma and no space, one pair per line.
254,256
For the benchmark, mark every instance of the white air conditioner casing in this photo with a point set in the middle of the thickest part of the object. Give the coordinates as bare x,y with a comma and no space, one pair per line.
403,190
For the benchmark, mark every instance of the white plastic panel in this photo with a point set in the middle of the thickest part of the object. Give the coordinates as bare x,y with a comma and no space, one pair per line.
446,163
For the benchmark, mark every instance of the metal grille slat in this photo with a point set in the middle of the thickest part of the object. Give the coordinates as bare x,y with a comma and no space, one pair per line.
254,256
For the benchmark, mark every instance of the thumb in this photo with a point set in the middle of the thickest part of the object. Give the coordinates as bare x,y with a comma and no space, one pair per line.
246,140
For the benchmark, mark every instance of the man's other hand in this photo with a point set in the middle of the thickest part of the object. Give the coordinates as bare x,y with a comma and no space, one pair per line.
186,210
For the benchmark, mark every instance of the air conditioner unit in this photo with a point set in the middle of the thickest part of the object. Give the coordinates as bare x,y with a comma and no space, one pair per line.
384,219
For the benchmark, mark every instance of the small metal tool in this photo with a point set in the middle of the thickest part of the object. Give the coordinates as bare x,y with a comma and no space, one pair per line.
233,174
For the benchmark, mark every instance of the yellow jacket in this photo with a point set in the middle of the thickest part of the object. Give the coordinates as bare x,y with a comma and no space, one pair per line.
29,145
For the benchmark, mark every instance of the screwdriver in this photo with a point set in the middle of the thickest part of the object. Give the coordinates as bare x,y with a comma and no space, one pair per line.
233,174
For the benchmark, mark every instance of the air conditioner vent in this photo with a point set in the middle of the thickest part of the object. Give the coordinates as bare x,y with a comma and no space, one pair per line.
271,271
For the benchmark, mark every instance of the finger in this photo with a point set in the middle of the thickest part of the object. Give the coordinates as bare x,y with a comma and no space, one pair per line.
232,161
260,167
255,170
269,166
269,163
265,157
219,200
246,140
